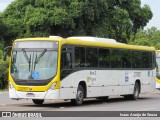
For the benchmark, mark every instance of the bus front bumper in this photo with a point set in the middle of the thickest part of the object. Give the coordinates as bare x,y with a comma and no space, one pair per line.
157,85
50,94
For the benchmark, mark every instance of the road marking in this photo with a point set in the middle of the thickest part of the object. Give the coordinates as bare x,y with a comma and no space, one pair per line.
146,109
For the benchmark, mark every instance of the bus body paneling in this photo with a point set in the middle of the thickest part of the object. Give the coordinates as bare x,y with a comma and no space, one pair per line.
56,68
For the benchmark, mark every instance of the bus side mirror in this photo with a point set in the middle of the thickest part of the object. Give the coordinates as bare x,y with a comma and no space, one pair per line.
5,52
4,56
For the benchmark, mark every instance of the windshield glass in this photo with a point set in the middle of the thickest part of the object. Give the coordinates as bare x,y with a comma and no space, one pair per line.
34,64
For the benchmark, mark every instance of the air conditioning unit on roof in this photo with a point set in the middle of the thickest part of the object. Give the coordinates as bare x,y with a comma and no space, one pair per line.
55,36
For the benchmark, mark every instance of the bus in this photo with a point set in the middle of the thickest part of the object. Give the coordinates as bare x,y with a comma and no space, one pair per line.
77,68
158,69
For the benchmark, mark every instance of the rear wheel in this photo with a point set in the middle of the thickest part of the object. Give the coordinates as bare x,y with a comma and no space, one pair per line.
79,96
135,94
37,101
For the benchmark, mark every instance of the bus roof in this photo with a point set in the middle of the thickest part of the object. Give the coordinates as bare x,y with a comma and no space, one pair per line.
105,42
94,39
91,41
40,38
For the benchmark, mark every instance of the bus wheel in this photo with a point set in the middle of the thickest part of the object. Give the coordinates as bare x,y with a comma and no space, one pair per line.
37,101
135,94
79,96
136,91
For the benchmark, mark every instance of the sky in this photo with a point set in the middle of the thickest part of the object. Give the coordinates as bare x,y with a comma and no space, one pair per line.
4,4
154,5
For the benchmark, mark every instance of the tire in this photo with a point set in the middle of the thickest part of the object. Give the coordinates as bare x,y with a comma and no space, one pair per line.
135,94
136,91
37,101
79,96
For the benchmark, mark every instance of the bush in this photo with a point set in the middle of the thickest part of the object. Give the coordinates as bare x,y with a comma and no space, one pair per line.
4,73
1,54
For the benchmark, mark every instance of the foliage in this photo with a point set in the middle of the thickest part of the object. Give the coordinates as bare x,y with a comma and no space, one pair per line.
1,54
3,74
149,37
3,69
3,30
116,19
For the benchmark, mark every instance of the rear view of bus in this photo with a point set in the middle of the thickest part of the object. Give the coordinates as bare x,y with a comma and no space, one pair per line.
158,69
33,69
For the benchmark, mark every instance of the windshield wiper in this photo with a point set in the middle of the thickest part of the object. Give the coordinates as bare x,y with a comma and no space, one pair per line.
27,58
37,59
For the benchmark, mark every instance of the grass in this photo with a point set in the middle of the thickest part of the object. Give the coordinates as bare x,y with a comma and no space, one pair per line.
3,90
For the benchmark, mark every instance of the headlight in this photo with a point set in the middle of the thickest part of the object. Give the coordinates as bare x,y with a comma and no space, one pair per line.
11,86
52,86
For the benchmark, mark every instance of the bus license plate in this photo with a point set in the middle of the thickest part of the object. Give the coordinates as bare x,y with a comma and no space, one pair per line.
30,95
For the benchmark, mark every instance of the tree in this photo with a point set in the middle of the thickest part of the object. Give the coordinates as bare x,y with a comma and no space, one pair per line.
149,37
116,19
3,74
127,16
3,30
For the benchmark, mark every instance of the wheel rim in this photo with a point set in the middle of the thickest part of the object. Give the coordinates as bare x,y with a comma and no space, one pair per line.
80,96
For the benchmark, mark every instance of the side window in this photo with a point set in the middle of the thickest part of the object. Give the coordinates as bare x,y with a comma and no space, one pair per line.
136,59
115,59
91,57
66,61
145,59
153,59
150,60
104,58
79,57
126,59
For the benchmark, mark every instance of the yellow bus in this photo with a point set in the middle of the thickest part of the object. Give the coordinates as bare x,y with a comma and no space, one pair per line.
158,69
76,68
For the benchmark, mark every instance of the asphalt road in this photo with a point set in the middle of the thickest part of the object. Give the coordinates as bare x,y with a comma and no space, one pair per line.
146,102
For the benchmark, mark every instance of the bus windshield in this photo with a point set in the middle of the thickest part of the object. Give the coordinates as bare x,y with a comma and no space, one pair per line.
33,64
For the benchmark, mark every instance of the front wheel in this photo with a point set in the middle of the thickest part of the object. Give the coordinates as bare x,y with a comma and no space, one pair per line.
37,101
79,96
